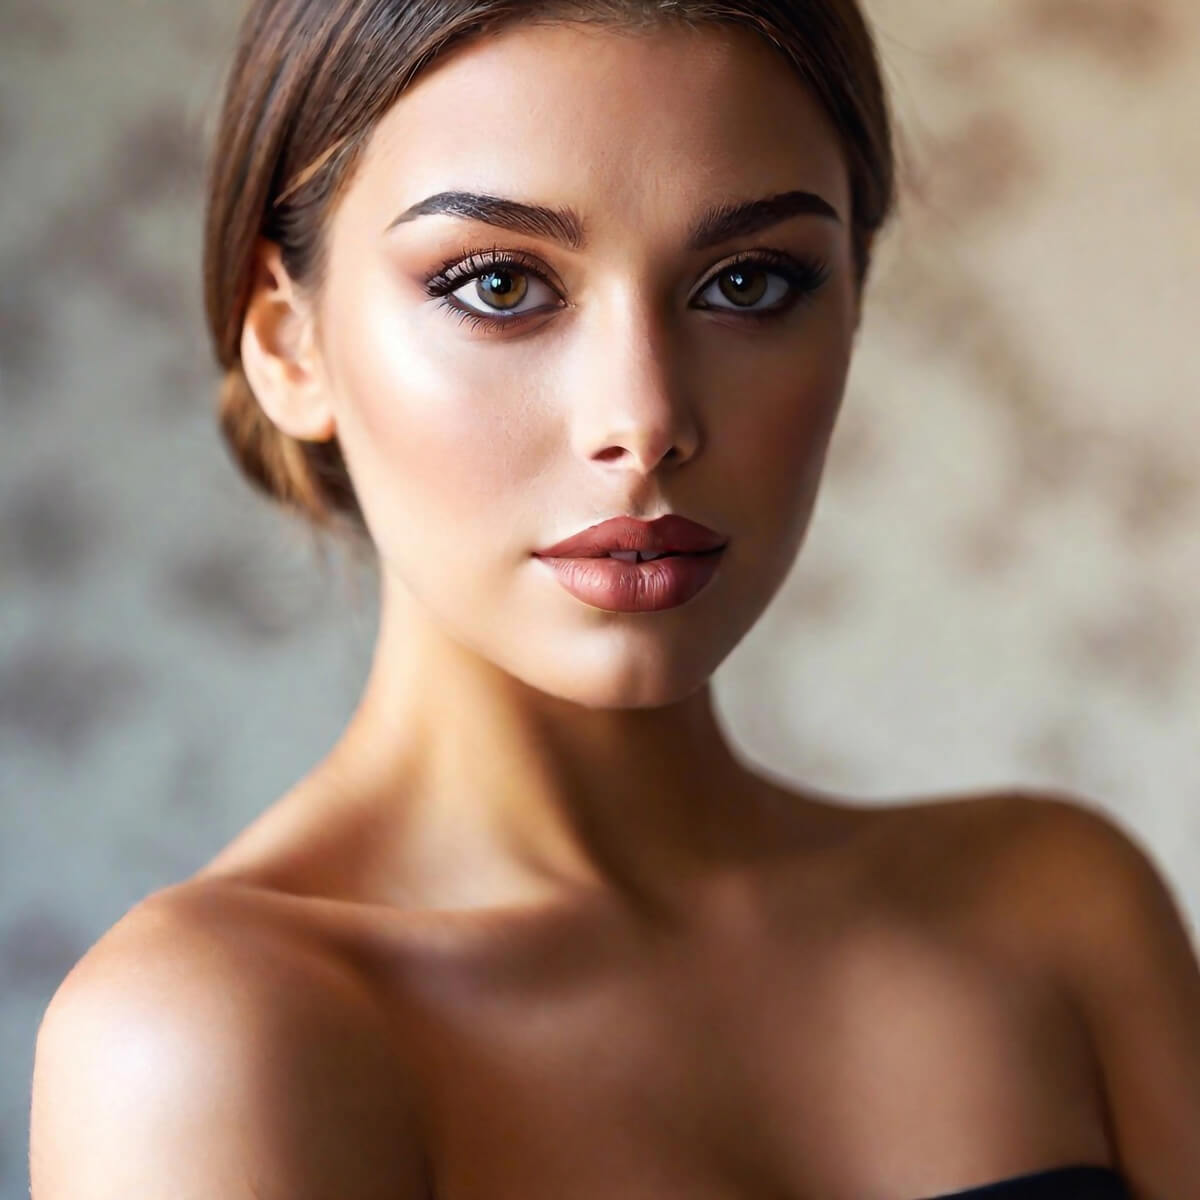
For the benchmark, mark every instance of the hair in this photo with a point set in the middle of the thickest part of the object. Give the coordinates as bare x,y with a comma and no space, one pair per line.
310,80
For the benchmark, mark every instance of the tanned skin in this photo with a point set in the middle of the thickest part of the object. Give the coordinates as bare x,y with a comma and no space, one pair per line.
533,930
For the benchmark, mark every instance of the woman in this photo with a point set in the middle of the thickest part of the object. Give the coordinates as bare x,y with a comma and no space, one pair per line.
513,293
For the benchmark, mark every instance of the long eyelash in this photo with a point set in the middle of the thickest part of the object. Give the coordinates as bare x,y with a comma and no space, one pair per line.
469,263
806,275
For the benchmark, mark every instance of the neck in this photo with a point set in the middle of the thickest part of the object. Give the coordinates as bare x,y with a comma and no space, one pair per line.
488,788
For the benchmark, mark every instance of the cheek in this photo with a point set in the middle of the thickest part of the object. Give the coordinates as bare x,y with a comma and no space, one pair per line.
432,440
776,447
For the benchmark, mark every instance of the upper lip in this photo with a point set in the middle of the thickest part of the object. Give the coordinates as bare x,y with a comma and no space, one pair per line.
666,535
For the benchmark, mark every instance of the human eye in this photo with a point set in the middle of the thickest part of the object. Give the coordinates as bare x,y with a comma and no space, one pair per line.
794,279
499,280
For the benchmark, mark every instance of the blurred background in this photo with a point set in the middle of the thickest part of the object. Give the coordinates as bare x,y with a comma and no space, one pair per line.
1001,585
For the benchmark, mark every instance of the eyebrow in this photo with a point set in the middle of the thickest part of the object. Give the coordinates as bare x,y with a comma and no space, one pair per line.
718,224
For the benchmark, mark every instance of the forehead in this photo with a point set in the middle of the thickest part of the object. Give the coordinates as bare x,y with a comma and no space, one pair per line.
601,117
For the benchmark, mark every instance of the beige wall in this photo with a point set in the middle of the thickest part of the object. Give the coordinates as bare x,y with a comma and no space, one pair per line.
1002,583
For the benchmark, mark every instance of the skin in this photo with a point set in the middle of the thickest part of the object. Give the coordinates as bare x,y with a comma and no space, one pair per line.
551,743
532,928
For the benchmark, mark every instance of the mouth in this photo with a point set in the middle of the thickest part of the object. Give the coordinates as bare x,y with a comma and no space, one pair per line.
632,581
640,556
632,540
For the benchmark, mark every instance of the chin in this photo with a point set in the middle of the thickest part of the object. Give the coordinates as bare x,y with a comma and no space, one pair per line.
613,670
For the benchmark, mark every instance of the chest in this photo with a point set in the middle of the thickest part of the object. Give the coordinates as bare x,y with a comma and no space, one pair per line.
846,1063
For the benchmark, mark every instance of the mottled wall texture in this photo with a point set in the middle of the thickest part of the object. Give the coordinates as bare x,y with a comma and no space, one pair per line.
1001,585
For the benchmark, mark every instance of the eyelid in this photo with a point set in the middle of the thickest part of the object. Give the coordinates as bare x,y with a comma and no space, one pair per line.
804,274
499,313
468,264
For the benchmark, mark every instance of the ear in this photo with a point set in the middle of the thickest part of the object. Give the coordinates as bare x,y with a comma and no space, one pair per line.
280,354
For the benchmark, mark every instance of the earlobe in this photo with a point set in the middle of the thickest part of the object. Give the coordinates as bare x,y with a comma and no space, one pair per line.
279,354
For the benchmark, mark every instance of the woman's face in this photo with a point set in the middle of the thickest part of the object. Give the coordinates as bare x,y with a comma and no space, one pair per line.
626,372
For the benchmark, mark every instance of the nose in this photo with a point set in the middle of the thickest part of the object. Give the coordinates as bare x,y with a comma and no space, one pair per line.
631,405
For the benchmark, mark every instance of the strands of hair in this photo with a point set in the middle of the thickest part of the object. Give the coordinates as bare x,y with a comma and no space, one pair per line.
311,79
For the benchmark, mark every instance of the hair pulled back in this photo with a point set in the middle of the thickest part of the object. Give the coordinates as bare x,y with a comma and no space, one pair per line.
310,80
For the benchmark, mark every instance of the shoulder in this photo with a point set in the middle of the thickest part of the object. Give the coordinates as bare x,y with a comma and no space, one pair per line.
1087,891
1076,868
1070,875
1037,846
195,1051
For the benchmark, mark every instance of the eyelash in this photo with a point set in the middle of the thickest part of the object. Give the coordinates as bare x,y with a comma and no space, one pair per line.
806,276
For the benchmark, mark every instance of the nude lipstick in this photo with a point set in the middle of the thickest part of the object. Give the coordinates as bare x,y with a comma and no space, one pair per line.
626,565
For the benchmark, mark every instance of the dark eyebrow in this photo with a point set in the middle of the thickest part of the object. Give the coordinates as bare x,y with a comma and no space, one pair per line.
718,224
556,225
738,220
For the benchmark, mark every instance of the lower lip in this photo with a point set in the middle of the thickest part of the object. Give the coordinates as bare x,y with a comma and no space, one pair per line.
618,586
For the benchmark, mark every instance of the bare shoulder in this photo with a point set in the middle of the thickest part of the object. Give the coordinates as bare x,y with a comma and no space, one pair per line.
193,1051
1062,860
1054,866
1050,840
1085,889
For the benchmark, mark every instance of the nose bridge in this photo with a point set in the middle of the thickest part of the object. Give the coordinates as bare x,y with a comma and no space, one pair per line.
634,400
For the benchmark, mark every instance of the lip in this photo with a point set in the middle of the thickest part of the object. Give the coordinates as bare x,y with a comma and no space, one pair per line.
670,534
618,586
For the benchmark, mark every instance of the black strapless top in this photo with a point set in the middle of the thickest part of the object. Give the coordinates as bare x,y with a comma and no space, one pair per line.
1059,1183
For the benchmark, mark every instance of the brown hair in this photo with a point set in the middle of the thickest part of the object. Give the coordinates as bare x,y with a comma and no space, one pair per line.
310,80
